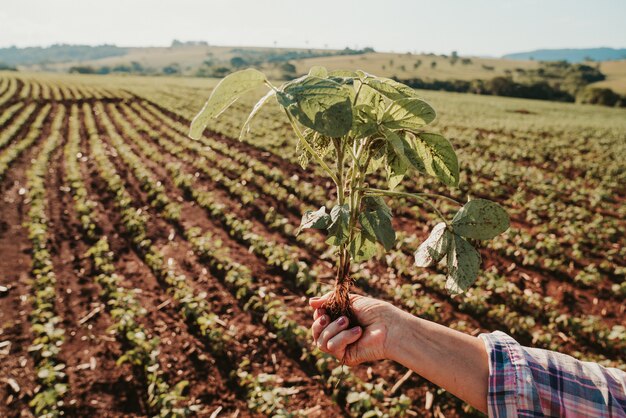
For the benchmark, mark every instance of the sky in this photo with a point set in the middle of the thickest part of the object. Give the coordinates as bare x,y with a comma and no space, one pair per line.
471,27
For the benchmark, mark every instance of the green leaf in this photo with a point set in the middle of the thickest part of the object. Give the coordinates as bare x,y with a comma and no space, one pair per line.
318,71
435,247
379,155
438,156
363,75
408,113
320,143
411,155
338,229
396,167
362,247
343,73
320,104
318,219
228,90
376,221
390,88
353,397
480,219
303,154
369,96
343,76
404,150
463,264
180,387
246,126
364,122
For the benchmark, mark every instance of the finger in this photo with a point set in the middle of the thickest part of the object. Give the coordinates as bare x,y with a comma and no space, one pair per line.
318,313
318,326
318,302
330,331
337,345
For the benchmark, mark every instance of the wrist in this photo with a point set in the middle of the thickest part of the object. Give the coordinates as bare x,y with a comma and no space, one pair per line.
402,328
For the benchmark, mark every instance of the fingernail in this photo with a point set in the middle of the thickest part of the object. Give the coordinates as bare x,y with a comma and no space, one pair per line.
313,299
323,320
322,311
355,330
341,321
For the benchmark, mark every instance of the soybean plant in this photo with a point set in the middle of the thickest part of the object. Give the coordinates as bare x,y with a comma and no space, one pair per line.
355,125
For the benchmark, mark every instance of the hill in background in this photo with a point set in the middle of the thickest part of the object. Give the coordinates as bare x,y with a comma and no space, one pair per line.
57,53
539,79
570,55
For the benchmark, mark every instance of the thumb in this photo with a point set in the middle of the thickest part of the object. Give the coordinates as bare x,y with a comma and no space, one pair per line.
319,302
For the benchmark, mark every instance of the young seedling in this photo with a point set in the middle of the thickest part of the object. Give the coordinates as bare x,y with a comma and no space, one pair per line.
353,125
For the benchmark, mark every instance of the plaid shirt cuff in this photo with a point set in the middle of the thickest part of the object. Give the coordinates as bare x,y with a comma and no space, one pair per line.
530,382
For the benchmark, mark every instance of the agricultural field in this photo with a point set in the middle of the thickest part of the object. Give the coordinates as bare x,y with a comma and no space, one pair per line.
143,273
615,76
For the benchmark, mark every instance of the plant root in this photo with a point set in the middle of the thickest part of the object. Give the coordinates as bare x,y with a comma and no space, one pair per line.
338,304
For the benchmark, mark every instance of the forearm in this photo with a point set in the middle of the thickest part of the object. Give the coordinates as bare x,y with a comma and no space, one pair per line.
450,359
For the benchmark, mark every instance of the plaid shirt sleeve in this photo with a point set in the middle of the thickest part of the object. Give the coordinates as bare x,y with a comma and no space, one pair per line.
530,382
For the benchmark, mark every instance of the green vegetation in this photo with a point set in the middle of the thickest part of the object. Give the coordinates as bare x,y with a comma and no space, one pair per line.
7,67
45,321
556,81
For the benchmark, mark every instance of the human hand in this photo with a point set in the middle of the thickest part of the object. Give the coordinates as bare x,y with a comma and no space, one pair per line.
379,322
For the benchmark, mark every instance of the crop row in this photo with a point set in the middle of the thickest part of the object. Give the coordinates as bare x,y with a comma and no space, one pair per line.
4,85
238,183
10,153
8,113
282,256
52,89
306,191
546,161
8,133
48,335
142,351
9,91
194,307
222,169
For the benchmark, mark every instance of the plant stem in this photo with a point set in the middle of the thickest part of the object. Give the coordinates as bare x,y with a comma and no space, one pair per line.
417,196
341,198
340,183
310,149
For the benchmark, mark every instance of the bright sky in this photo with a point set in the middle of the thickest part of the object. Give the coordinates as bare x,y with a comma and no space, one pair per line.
472,27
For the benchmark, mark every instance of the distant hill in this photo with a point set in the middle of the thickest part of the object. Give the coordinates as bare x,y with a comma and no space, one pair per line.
200,59
57,53
571,55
